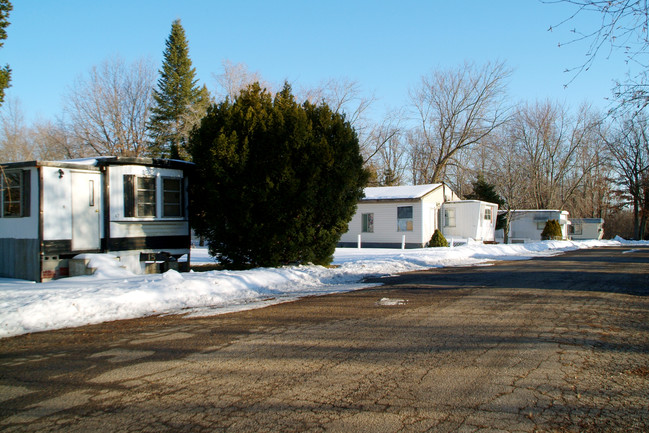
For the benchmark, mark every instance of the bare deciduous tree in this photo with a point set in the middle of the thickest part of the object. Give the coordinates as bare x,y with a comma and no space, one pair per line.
109,108
15,142
628,144
456,109
552,143
509,178
620,26
234,78
53,141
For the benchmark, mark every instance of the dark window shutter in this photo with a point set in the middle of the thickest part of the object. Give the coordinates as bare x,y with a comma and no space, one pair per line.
26,193
182,197
129,195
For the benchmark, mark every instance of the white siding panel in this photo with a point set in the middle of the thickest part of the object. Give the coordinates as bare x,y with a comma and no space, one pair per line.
153,228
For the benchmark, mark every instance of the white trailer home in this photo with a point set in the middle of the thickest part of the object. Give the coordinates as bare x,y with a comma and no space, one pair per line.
407,216
469,219
586,228
527,225
134,208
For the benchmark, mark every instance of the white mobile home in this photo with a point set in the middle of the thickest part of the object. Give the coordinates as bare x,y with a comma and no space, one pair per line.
586,228
527,225
134,208
407,216
472,219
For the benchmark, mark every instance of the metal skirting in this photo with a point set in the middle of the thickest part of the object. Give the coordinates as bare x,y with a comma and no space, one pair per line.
20,258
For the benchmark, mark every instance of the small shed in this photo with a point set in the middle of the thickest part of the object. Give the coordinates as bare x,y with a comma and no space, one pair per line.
586,228
472,219
51,211
527,225
407,216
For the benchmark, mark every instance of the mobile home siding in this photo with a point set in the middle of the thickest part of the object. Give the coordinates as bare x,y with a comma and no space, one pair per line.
19,244
385,232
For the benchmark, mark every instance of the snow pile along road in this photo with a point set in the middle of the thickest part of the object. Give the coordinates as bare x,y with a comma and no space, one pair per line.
113,293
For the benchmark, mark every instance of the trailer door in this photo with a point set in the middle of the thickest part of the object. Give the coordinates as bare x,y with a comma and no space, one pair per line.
86,205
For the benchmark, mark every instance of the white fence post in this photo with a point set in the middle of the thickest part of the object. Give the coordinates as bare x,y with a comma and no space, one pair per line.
358,245
403,242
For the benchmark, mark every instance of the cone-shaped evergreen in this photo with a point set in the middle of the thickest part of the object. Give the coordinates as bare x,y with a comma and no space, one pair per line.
276,182
179,101
437,240
551,231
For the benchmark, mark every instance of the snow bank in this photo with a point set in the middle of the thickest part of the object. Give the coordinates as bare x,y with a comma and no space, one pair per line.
114,293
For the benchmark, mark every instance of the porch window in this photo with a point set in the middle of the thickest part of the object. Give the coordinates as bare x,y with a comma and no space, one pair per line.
171,197
404,218
139,196
368,223
146,196
15,193
449,217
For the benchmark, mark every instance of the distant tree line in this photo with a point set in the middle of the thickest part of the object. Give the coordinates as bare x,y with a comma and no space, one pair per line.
459,127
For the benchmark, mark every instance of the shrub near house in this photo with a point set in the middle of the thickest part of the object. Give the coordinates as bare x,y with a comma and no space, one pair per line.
437,240
551,231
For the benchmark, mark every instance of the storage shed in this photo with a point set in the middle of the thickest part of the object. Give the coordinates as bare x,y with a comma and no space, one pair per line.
407,216
473,219
51,211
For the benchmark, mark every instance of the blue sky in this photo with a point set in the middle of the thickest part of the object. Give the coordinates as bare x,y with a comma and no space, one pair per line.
386,46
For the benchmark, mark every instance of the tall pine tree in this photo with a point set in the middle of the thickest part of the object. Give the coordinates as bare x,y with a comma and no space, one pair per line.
179,102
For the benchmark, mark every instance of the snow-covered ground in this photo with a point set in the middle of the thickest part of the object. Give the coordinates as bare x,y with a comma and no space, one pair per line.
113,293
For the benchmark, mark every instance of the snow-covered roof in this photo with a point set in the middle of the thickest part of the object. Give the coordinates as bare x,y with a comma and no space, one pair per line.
407,192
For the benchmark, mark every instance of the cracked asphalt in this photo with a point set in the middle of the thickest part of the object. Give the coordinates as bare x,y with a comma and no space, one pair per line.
559,344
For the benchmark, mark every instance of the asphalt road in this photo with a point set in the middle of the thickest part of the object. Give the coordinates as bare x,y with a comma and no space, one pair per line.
559,344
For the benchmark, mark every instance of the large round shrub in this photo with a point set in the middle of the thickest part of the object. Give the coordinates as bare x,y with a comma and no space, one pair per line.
276,182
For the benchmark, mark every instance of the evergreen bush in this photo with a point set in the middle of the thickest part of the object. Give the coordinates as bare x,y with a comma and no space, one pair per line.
437,240
552,231
276,182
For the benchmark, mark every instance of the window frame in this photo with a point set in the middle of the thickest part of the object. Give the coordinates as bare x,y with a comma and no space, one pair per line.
573,229
450,216
367,222
140,203
23,201
405,223
180,201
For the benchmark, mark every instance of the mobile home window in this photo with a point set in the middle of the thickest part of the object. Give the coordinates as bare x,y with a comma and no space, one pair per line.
449,217
368,223
15,193
575,229
540,225
146,196
404,218
171,197
487,213
139,196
